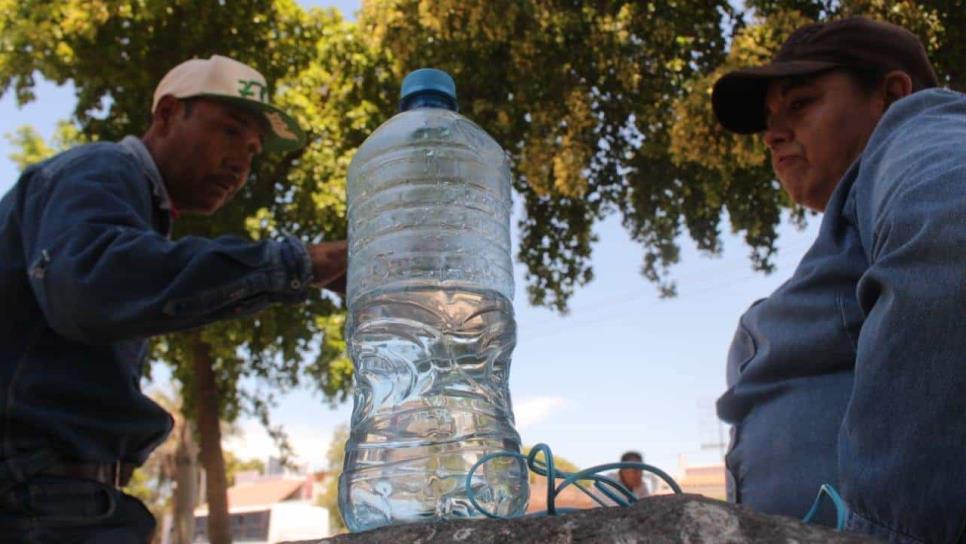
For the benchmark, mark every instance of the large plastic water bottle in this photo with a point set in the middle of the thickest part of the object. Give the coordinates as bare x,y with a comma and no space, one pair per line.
430,326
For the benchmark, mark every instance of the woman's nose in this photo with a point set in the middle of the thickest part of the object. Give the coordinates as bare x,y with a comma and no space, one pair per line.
777,133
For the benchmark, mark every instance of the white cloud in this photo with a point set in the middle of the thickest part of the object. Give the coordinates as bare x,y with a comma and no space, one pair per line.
531,411
251,442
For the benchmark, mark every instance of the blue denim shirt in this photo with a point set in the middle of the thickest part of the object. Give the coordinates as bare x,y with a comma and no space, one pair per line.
854,371
87,273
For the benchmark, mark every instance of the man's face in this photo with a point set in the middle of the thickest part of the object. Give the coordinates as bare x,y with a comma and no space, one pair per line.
816,129
631,477
208,153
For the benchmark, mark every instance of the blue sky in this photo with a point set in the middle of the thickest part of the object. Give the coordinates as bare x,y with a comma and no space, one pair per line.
623,370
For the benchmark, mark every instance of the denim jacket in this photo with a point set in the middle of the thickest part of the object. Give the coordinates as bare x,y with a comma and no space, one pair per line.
87,273
853,372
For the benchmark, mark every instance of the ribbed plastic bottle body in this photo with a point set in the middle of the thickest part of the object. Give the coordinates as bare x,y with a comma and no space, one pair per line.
430,328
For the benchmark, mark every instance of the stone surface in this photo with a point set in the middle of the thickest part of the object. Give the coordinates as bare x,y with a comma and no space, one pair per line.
685,519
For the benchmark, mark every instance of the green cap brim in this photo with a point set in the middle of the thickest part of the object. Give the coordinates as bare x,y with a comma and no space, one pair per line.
284,133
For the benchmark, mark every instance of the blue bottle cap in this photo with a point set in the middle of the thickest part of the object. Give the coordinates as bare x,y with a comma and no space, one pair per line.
427,81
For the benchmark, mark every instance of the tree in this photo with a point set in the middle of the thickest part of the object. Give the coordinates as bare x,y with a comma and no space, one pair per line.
234,465
30,147
329,498
182,466
115,52
579,94
603,107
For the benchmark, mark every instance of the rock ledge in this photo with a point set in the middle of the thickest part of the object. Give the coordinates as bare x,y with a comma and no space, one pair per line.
685,519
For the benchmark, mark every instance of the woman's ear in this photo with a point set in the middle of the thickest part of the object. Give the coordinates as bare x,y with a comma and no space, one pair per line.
895,85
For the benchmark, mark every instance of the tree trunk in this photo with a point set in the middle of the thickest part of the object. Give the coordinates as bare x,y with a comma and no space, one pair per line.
209,430
186,489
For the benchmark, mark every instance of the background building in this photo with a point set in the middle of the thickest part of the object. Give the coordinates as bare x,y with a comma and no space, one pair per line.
275,507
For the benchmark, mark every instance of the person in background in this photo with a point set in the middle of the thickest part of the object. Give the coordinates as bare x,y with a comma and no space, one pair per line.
853,372
88,272
633,478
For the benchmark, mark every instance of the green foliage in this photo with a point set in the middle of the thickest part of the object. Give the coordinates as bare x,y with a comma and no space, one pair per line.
811,9
940,24
234,465
116,51
146,487
604,108
732,172
29,145
578,94
329,498
31,148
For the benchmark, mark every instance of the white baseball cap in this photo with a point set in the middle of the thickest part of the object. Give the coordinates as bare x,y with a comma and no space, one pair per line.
227,79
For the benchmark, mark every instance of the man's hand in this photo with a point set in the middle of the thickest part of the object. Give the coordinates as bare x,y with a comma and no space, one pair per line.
329,261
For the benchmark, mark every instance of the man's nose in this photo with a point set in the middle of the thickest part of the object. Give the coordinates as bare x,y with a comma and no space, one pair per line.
239,167
254,144
242,162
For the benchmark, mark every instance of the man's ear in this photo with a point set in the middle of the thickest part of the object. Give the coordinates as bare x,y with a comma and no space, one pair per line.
895,85
165,112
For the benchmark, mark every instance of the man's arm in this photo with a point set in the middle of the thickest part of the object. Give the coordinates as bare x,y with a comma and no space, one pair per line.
902,449
101,273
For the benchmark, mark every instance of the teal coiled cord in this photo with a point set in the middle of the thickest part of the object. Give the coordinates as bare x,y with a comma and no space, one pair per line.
841,510
609,487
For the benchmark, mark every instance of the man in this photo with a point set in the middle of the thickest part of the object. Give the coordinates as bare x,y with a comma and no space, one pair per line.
633,478
630,478
853,373
88,271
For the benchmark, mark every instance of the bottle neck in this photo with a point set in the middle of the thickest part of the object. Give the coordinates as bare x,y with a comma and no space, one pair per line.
428,100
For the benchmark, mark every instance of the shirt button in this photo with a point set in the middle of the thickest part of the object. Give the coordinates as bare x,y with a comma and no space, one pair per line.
296,284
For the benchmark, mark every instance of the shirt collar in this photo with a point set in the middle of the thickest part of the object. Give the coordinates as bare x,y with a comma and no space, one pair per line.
137,147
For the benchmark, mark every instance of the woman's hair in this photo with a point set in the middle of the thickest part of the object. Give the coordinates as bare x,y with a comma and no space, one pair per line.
869,79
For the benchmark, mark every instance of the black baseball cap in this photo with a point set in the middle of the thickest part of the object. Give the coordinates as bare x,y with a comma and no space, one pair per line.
861,43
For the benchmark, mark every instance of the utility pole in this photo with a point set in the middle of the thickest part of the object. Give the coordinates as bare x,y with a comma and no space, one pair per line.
720,445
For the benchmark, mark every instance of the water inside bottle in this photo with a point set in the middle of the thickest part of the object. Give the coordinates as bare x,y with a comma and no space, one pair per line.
431,399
